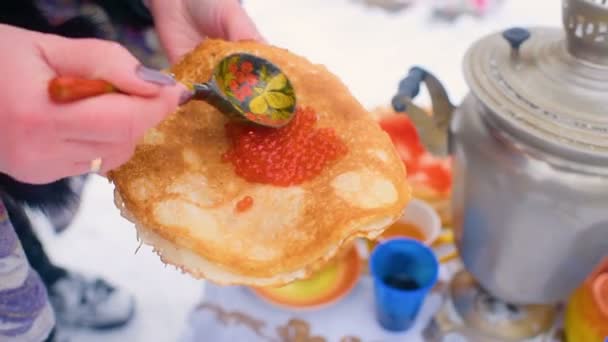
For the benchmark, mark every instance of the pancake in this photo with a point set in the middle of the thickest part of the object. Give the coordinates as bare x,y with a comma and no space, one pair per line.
190,203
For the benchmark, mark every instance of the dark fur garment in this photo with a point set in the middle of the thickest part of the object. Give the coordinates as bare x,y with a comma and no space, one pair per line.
28,14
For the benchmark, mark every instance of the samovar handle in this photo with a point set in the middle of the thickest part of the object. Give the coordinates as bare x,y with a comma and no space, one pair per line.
432,127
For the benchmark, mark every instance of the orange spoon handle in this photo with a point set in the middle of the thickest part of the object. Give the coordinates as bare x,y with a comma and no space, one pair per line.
64,89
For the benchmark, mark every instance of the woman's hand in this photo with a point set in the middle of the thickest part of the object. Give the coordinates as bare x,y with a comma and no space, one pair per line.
41,141
183,24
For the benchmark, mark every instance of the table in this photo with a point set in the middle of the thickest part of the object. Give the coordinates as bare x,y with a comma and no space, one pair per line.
235,313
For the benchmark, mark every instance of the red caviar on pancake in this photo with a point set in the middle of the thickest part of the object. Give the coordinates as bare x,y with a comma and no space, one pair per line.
284,156
244,204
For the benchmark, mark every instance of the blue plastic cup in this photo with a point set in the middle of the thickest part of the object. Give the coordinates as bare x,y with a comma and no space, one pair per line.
404,270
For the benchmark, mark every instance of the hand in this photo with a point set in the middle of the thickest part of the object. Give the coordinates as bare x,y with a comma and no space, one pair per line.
183,24
41,141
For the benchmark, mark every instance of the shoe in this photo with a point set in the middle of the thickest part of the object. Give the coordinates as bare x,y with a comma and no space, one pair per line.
59,335
90,303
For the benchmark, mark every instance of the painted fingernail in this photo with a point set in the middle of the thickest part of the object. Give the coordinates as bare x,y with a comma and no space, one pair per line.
185,97
154,76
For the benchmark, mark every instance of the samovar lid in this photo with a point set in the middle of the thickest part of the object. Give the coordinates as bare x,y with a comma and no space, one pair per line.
549,86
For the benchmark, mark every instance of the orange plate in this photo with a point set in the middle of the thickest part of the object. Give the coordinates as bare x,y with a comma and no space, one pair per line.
325,287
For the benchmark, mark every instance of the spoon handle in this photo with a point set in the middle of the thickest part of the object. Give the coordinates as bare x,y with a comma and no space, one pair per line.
65,89
202,91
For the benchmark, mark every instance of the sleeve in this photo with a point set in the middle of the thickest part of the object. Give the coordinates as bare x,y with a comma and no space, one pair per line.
140,8
133,13
25,313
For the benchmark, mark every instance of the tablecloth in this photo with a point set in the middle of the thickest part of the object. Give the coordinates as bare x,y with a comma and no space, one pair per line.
237,314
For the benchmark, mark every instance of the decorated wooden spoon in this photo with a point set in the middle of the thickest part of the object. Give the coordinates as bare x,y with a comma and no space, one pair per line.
243,86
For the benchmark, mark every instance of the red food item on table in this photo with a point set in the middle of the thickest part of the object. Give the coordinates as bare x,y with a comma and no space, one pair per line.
404,136
422,167
434,172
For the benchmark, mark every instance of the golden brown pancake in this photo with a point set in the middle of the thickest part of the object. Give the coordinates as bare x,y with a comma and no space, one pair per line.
184,197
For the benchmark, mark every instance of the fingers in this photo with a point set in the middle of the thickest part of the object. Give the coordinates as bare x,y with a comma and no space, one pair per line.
85,151
99,59
108,162
114,117
224,19
111,155
83,154
49,171
113,161
75,158
237,25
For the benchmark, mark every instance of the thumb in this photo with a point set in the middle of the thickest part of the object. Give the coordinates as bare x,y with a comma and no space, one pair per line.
100,59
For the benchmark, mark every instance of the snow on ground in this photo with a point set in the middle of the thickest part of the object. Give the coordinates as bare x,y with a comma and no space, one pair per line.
102,242
369,49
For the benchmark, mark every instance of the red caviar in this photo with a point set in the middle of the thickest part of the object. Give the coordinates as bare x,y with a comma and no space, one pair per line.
284,156
244,204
